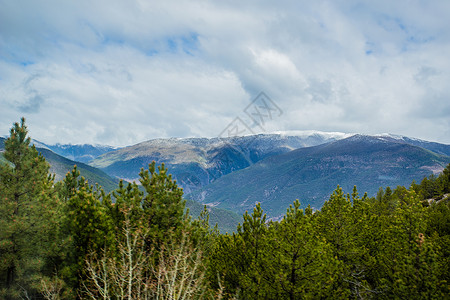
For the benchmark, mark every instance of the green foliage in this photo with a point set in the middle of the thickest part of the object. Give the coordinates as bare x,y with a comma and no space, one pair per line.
438,231
69,240
388,247
276,260
163,205
339,223
225,220
27,221
299,260
87,225
434,187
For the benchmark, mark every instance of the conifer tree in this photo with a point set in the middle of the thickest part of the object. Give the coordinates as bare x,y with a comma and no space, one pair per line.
341,222
438,232
127,206
27,203
238,260
87,224
411,259
299,260
163,205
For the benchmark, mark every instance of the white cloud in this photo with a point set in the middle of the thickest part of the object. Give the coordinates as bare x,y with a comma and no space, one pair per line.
119,72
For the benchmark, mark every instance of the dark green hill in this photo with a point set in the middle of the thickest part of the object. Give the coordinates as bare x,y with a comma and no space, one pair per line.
60,166
311,174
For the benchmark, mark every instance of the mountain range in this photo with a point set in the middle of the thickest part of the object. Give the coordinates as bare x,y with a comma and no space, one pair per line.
274,169
311,174
196,162
60,165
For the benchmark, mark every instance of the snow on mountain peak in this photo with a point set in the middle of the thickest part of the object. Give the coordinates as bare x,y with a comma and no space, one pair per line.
307,133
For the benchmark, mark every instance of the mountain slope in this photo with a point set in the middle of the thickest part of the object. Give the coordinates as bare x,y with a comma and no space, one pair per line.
196,162
432,146
311,174
60,166
82,153
226,220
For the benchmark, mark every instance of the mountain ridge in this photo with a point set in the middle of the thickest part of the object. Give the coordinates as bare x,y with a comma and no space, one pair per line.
77,152
196,162
311,174
59,165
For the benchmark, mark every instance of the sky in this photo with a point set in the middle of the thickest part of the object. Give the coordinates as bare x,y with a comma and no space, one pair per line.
121,72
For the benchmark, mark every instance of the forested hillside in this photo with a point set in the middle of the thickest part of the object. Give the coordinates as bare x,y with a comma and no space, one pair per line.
67,240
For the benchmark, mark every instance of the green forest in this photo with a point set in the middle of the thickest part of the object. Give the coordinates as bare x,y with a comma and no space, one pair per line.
71,240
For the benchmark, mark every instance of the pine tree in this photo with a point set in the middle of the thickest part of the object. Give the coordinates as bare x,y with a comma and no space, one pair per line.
235,262
127,206
87,224
27,205
299,259
341,223
163,205
415,268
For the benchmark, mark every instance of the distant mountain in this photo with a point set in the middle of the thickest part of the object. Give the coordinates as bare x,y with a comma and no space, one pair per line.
196,162
82,153
311,174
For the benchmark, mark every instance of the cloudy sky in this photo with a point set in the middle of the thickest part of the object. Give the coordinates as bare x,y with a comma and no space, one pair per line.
121,72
